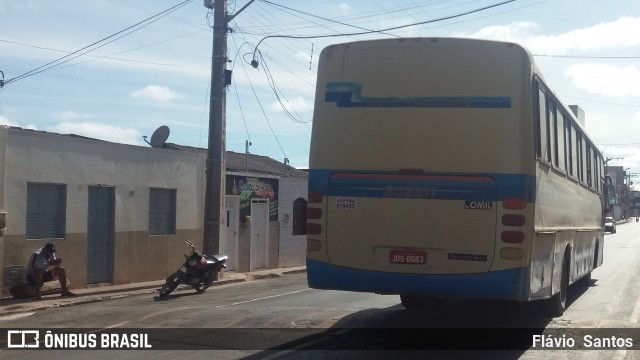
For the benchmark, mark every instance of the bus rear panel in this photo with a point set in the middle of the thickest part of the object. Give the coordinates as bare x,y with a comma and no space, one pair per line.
422,175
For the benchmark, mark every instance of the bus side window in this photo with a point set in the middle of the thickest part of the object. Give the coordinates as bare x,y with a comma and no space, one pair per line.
543,127
560,136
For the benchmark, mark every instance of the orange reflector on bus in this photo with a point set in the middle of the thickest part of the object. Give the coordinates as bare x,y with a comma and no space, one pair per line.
511,253
512,237
314,229
315,197
314,213
514,204
513,220
314,245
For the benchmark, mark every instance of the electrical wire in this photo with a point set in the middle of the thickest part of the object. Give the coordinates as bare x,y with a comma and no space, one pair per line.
235,90
204,107
327,19
386,29
92,47
263,112
111,56
267,119
277,92
587,56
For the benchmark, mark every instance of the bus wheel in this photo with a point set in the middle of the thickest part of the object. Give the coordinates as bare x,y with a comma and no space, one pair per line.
419,302
558,303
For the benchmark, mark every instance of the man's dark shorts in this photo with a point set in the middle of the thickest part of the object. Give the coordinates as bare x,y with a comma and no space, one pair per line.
46,276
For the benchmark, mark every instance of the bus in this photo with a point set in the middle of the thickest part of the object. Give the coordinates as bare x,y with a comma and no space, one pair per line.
447,168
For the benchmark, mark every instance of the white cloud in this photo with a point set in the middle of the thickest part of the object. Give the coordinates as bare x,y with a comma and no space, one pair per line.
605,79
514,32
7,122
69,115
156,93
621,33
303,55
615,38
99,131
344,9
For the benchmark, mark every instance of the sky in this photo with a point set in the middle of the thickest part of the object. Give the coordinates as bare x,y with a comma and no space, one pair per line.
154,66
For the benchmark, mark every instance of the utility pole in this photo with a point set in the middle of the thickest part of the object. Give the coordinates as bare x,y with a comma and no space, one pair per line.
216,167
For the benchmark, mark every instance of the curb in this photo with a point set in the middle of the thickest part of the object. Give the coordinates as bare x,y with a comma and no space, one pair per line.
115,293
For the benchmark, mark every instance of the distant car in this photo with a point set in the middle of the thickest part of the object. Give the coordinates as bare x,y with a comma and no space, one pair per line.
609,225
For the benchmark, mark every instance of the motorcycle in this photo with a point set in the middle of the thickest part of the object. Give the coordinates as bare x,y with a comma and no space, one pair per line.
197,271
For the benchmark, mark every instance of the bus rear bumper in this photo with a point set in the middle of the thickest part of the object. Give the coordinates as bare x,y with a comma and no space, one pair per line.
511,284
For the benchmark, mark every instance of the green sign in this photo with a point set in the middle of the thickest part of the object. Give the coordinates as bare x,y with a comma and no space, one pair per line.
612,200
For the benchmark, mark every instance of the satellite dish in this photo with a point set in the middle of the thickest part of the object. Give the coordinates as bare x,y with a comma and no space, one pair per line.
160,136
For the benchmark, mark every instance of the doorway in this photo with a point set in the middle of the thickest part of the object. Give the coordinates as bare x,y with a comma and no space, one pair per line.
259,233
100,234
232,230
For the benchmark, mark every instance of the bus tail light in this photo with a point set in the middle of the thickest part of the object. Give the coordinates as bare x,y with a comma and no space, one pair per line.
314,213
512,237
514,204
513,220
314,229
315,197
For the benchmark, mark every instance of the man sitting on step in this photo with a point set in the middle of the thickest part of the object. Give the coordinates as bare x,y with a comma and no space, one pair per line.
44,266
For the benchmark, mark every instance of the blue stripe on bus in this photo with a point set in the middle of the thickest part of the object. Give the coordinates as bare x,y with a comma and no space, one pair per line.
438,186
350,95
503,284
413,187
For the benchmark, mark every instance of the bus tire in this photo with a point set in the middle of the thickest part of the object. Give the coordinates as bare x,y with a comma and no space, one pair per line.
420,302
558,303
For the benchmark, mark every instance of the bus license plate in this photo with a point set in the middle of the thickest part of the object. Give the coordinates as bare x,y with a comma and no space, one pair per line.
407,257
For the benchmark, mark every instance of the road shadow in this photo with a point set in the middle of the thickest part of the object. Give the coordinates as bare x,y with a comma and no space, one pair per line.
461,329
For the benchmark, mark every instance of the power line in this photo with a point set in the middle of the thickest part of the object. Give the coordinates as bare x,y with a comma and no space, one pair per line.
384,30
277,93
587,56
628,144
327,19
235,90
92,47
111,56
602,102
265,115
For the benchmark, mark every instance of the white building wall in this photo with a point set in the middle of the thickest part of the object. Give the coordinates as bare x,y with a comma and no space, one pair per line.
36,157
292,248
39,157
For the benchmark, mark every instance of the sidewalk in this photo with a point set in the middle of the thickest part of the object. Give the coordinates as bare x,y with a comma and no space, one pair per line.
10,306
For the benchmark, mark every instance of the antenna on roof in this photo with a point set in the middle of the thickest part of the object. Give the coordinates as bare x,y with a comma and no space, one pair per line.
159,137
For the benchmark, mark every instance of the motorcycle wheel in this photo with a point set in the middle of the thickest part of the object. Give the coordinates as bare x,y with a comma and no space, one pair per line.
207,280
170,285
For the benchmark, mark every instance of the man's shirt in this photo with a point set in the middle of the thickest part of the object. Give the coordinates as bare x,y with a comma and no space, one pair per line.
39,261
